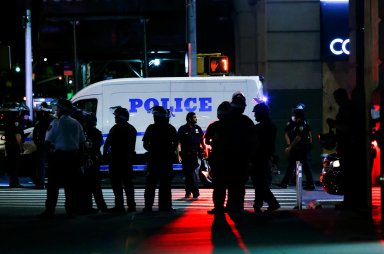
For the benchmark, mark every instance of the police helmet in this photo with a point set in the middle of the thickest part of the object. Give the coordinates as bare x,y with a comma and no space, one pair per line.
238,94
261,108
238,100
121,113
298,113
65,105
299,105
223,108
160,111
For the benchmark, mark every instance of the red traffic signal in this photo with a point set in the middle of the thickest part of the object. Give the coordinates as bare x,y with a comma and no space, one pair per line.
218,65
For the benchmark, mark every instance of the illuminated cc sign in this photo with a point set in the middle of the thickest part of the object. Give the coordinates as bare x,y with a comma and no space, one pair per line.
339,46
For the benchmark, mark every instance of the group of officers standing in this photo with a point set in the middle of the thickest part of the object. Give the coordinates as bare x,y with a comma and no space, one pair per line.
239,149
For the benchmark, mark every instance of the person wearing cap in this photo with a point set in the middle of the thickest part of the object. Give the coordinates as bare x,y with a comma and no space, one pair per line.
65,139
119,147
161,142
191,149
43,120
299,139
262,153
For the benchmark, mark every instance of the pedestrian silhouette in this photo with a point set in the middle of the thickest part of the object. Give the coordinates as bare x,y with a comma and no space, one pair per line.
119,148
262,156
160,140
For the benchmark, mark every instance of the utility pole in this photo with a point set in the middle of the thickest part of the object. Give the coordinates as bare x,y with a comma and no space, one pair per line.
75,60
144,21
191,38
357,188
28,60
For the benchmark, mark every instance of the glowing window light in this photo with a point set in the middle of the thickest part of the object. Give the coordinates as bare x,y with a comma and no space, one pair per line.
334,1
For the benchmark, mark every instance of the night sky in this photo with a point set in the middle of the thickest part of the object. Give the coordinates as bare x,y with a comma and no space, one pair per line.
166,28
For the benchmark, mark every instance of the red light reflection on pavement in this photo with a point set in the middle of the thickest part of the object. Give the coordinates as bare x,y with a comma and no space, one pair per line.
189,233
192,232
237,234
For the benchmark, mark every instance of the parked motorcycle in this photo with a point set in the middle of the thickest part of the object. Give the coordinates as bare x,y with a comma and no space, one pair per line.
331,177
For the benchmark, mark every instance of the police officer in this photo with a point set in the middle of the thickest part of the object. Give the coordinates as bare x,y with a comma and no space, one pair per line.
219,177
92,159
262,154
65,138
235,148
13,149
120,149
298,148
345,143
160,140
192,148
44,119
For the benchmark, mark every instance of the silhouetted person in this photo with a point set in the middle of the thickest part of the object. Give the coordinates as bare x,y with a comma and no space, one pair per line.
192,146
65,138
44,119
92,158
160,140
234,152
219,176
344,139
262,154
120,149
13,149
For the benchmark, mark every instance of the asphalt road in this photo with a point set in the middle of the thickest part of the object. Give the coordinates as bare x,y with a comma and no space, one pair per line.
187,230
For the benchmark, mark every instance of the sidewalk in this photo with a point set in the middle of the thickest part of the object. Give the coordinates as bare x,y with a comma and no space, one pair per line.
192,231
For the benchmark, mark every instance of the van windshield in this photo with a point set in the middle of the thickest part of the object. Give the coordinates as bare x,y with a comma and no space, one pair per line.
88,105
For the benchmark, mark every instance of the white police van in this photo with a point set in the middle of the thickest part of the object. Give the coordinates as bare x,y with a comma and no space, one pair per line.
181,95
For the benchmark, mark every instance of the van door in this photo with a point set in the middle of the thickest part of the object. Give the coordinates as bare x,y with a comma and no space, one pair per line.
92,104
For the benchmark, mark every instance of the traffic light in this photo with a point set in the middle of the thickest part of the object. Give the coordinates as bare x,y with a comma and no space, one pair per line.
218,65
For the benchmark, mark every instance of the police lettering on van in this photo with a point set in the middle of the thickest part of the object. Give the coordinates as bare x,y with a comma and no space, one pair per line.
188,104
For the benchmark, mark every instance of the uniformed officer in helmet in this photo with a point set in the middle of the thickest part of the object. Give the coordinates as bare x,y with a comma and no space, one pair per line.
235,150
262,153
160,140
119,147
92,160
213,138
65,138
13,148
299,141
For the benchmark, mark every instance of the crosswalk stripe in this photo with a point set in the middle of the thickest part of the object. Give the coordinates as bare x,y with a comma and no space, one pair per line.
36,198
